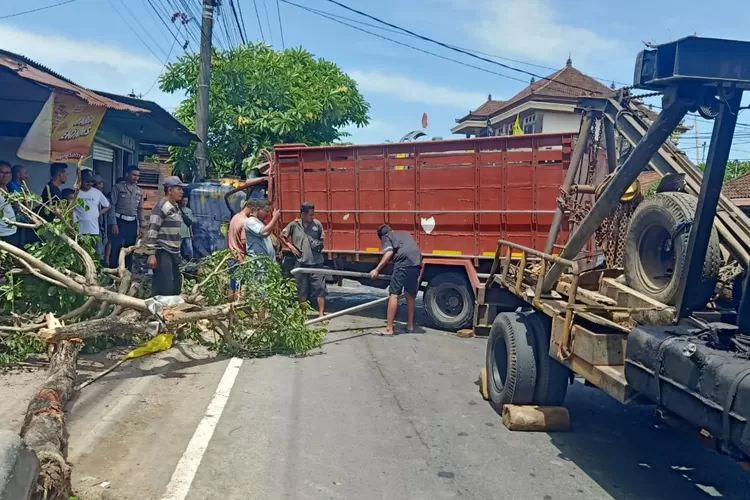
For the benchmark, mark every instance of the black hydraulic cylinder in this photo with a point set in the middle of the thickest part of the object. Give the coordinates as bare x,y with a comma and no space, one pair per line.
659,132
713,177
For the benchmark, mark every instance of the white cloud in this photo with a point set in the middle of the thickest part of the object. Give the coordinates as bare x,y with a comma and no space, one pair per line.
94,65
61,49
532,29
408,90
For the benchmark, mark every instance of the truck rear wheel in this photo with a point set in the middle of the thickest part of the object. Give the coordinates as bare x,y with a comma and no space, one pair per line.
656,250
449,301
511,363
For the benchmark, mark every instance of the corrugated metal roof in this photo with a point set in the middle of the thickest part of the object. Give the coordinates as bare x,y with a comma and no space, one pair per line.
30,70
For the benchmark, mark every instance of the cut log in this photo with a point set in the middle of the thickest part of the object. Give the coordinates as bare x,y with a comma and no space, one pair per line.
536,418
44,426
483,384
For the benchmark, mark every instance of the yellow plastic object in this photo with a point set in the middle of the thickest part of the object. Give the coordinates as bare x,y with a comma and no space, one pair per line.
632,192
161,342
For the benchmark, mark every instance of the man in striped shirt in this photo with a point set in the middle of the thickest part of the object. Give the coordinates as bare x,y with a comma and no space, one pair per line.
163,240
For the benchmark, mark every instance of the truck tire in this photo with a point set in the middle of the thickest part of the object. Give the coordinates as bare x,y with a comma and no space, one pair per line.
656,250
511,364
551,375
449,301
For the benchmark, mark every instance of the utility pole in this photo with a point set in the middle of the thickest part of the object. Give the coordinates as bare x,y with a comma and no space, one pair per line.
204,82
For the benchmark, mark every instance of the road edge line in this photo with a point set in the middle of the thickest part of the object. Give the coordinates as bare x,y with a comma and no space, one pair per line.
184,473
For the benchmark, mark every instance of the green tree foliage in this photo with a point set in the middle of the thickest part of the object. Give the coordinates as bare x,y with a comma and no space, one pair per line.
735,168
269,318
260,97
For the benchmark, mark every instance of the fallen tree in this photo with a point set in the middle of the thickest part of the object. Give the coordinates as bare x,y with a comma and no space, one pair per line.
267,319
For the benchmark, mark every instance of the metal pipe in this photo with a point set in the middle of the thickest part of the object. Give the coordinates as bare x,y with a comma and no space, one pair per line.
350,310
573,168
705,211
609,144
425,211
336,272
659,132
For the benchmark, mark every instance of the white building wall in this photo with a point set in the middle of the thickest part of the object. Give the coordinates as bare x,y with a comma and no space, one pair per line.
38,172
553,122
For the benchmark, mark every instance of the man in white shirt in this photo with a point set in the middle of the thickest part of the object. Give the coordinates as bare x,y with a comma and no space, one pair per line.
95,204
8,232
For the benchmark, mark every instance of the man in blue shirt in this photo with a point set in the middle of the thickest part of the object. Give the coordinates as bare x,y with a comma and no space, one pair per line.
257,232
20,174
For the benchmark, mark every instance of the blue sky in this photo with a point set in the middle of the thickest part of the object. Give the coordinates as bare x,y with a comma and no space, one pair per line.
89,42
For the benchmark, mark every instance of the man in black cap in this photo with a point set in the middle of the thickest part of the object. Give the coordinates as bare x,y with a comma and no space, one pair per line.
163,240
399,247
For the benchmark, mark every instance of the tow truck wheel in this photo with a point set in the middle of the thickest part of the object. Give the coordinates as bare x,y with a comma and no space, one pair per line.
656,250
449,301
511,364
552,376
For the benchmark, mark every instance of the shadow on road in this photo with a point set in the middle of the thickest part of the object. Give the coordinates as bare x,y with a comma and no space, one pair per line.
641,457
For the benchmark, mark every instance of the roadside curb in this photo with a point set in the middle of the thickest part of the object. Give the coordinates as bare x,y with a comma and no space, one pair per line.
19,467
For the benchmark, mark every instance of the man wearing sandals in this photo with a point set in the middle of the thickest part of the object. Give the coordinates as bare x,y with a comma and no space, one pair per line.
400,248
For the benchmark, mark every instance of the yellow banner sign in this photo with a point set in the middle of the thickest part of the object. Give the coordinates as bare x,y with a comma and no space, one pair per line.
63,131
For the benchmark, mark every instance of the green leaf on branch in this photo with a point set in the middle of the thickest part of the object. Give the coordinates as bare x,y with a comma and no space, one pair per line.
269,319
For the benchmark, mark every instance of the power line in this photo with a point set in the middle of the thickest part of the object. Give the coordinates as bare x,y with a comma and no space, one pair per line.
230,34
455,49
257,16
242,19
237,20
268,21
7,16
151,13
281,26
171,49
195,32
440,56
162,20
135,32
138,22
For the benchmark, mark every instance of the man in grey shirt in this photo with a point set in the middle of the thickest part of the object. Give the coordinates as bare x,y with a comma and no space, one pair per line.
304,238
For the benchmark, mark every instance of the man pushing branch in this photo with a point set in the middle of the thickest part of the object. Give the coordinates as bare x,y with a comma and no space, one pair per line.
399,247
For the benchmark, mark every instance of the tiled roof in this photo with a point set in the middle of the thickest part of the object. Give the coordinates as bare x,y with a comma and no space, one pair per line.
737,188
31,70
565,83
486,109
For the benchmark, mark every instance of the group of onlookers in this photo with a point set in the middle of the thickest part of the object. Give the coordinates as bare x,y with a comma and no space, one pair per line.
113,220
250,234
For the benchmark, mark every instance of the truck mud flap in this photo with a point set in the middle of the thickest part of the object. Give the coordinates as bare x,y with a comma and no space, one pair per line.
708,388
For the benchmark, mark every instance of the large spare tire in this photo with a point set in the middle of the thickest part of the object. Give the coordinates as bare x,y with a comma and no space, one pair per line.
656,250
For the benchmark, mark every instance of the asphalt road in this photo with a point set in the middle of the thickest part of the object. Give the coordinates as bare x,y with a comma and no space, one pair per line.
372,417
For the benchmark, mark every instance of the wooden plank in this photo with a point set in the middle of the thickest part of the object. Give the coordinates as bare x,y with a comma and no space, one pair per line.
634,297
586,296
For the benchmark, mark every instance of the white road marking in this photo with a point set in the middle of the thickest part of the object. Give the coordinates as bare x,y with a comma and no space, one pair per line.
184,473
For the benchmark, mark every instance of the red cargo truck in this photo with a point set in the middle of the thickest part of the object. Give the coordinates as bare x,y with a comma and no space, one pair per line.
456,197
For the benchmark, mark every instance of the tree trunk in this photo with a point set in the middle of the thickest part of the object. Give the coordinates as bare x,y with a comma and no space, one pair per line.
44,426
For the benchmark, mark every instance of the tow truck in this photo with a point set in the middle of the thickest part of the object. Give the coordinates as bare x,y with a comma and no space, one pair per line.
666,319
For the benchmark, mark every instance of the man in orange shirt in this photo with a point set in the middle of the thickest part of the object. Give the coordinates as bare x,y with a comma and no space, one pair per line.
236,244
